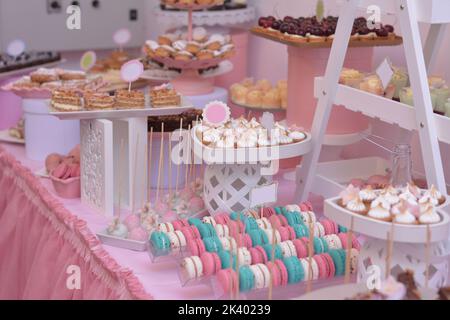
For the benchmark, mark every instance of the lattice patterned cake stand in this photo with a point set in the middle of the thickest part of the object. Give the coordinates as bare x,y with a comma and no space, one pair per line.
227,182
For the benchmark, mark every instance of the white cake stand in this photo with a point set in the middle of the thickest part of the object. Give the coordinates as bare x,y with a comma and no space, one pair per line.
231,174
409,246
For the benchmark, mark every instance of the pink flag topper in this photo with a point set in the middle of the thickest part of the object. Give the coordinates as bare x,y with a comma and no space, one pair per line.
216,113
131,71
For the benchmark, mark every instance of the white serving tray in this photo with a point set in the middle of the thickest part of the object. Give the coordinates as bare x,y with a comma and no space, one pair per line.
347,291
23,71
379,229
5,137
148,111
109,240
265,154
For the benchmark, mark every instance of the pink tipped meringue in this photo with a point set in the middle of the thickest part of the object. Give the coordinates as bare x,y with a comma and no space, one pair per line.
132,221
138,234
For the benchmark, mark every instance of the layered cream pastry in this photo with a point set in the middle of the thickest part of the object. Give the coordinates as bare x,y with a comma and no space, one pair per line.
66,100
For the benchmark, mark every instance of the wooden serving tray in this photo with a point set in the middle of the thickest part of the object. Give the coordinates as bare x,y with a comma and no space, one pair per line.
278,37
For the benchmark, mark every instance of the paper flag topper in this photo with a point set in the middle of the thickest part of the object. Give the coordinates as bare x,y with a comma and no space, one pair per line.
267,120
216,113
122,36
263,195
131,71
88,60
385,72
15,48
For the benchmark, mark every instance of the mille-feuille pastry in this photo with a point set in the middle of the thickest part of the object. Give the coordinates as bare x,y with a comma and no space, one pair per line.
43,75
164,96
67,75
125,99
66,100
98,101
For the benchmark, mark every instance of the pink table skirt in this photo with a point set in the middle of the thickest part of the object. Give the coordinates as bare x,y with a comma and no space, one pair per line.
40,239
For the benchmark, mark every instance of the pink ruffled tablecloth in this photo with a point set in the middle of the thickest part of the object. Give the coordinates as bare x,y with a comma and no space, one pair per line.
41,235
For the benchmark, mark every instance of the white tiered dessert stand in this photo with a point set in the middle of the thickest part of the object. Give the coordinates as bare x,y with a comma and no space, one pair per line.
432,129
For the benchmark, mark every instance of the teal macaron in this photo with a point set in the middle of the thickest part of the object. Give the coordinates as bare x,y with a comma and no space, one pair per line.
326,248
234,216
250,224
318,246
194,221
212,244
289,217
246,279
278,252
342,229
339,261
224,256
278,210
258,236
301,231
160,240
295,269
206,230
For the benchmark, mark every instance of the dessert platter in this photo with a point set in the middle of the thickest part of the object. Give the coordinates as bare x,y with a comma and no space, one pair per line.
40,83
27,62
414,213
309,32
70,104
260,96
404,287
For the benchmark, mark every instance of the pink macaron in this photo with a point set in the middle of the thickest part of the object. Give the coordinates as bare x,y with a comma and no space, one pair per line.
246,241
330,263
211,263
323,266
228,280
196,247
258,254
179,224
268,212
190,233
222,218
278,221
327,225
283,272
344,240
276,273
300,247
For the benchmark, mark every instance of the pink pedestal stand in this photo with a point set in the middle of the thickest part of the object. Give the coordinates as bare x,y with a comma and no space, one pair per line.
10,107
190,83
304,65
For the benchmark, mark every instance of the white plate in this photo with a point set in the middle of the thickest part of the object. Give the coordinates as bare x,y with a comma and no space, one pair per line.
5,137
42,173
379,229
347,291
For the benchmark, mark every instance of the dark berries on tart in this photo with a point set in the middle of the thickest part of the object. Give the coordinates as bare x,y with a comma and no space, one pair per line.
389,28
382,32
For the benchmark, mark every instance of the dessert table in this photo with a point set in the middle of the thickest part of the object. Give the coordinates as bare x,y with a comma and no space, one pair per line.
43,235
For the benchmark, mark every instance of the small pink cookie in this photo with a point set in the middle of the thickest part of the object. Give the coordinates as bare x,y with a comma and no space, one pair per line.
52,161
258,254
196,247
330,263
302,251
211,263
190,233
323,267
179,224
132,221
61,171
75,153
138,234
228,280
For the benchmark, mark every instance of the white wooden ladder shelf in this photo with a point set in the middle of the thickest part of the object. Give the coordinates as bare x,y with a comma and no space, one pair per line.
431,127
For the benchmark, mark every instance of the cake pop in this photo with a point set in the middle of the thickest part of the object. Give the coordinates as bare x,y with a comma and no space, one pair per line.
196,204
132,221
117,229
138,234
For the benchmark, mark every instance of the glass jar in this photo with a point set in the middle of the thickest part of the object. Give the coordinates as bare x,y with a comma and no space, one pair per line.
401,166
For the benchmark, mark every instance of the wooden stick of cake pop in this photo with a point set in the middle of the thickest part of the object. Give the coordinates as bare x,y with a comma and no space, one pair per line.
273,265
348,253
237,254
187,165
389,251
178,166
160,163
231,262
310,255
427,256
170,166
133,208
150,165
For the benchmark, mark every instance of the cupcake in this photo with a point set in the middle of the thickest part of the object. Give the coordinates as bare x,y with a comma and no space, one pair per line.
406,96
238,93
399,81
271,99
372,84
351,78
429,216
263,85
380,209
254,98
367,195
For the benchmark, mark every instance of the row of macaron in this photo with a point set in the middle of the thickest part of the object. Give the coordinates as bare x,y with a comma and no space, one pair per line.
283,271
